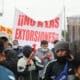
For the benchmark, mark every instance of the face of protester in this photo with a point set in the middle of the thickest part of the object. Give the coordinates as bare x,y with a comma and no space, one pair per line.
15,45
5,41
77,72
44,47
5,44
61,53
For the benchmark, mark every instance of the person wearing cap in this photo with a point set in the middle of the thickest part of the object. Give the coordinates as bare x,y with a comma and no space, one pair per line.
4,37
29,65
4,71
10,54
62,67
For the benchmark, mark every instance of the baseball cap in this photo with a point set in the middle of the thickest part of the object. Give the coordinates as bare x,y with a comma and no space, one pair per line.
4,34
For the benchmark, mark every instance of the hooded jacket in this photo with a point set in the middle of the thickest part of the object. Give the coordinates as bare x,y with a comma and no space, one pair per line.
30,72
54,68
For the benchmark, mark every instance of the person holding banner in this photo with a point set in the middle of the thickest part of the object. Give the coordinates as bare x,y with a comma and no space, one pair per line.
29,65
45,54
62,67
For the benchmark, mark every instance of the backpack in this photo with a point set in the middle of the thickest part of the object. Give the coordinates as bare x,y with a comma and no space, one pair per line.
6,74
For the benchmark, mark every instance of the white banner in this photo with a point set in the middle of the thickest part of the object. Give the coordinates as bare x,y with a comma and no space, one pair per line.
29,31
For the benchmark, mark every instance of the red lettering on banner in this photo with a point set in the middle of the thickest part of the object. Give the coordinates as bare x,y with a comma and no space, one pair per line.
57,22
20,20
37,36
47,24
40,24
27,21
32,22
17,34
52,23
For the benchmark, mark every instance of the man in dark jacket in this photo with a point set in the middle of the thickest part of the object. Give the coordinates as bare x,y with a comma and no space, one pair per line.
29,64
55,69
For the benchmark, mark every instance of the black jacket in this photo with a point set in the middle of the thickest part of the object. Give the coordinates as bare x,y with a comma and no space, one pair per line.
54,68
11,60
30,72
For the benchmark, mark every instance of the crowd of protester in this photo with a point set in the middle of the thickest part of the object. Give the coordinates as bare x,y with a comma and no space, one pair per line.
27,63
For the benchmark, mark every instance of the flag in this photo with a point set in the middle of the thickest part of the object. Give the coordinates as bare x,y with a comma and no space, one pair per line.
64,74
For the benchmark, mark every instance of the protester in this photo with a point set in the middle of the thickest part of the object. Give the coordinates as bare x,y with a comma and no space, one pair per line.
5,74
62,67
77,66
11,60
10,54
17,48
45,54
29,64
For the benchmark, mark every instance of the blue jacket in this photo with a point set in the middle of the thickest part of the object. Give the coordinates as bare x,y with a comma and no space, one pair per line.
6,74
